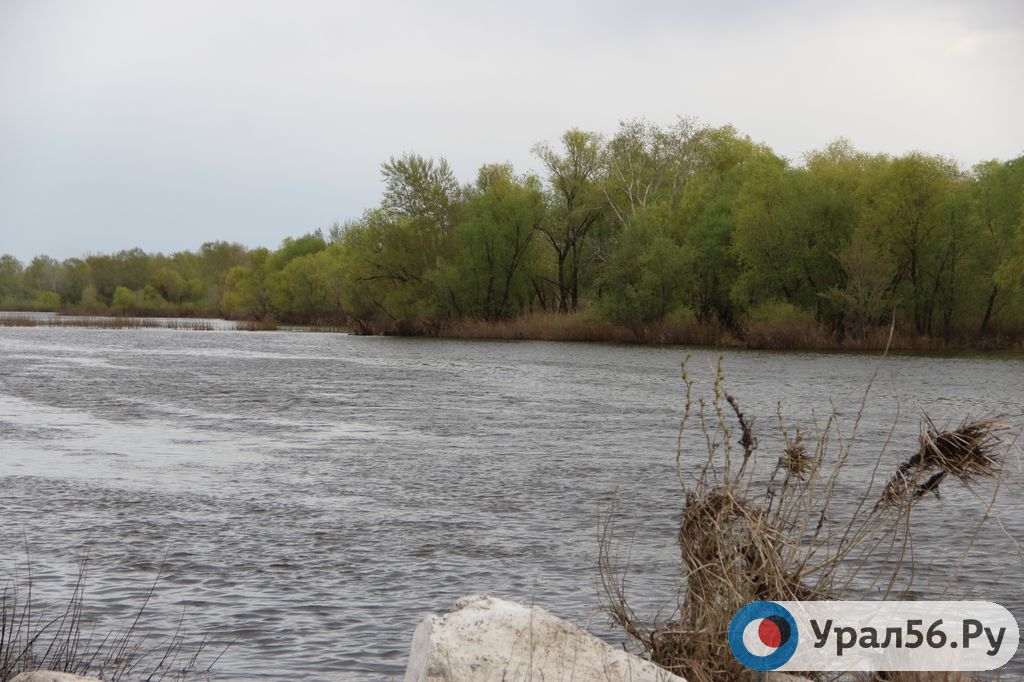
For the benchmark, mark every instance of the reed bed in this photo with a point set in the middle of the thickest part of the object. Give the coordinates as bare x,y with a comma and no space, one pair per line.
546,326
762,335
265,325
756,528
104,322
538,327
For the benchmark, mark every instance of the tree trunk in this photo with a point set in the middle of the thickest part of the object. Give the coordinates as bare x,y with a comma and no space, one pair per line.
988,311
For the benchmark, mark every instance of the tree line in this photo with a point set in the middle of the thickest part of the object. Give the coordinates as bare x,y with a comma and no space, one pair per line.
650,228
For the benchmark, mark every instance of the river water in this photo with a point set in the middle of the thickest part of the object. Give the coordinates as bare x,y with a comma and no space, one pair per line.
312,496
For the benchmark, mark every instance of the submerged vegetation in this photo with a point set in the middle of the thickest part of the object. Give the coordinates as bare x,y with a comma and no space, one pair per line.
795,526
680,233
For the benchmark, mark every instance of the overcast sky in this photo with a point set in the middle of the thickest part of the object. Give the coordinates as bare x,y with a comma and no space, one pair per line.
167,124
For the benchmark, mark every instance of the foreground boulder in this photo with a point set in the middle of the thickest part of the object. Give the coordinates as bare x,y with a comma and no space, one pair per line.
484,638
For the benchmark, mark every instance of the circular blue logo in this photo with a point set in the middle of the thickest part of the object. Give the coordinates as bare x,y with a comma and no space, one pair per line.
763,635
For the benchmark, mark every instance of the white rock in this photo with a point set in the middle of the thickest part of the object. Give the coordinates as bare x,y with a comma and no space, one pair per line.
51,676
484,638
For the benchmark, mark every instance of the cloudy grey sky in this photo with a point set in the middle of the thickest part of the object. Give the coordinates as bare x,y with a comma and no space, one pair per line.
164,124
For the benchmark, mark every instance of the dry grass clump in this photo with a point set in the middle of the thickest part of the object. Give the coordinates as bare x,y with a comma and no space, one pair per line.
773,529
795,461
968,453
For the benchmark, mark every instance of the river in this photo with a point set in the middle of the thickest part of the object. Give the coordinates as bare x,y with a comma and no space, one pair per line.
312,496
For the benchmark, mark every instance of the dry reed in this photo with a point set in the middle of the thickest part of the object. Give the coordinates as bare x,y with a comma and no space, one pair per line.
104,322
539,327
34,638
755,529
264,325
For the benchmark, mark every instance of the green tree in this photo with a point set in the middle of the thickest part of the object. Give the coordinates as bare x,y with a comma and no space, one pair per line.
91,298
247,291
645,164
424,191
302,291
647,276
45,274
77,278
124,299
488,271
12,287
573,175
788,230
133,268
997,214
47,300
386,278
704,217
169,284
865,293
903,211
291,248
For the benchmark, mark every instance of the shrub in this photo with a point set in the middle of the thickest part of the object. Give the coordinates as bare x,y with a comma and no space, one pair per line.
48,300
124,299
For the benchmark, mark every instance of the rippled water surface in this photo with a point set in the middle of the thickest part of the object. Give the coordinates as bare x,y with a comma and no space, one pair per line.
312,496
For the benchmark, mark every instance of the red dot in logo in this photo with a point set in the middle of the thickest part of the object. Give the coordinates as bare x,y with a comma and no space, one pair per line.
769,633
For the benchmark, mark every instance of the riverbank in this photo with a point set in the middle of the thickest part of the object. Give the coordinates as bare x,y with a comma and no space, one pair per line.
578,327
754,336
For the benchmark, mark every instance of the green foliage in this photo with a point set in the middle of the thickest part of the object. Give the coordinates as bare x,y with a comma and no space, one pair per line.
45,274
646,277
48,300
903,212
169,284
488,273
304,291
247,290
786,236
576,206
124,299
715,267
390,271
296,248
866,295
12,285
780,314
653,228
91,298
996,222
